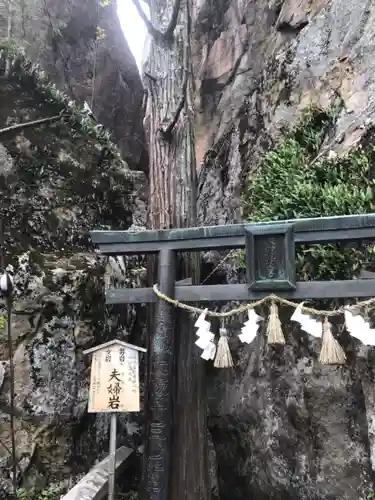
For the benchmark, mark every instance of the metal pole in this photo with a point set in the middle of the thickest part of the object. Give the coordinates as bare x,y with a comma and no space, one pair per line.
12,393
8,296
160,390
112,457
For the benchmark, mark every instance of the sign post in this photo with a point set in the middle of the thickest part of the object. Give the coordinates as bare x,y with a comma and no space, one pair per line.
114,387
112,457
270,252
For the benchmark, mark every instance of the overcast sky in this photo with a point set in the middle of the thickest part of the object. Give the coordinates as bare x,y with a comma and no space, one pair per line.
133,26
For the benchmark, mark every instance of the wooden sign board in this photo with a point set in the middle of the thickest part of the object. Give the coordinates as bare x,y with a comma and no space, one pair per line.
114,379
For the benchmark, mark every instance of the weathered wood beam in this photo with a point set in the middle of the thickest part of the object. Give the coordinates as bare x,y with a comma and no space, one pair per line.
94,485
189,281
225,293
366,275
34,123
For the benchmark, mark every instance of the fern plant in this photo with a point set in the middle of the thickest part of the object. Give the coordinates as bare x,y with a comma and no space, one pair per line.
293,182
33,494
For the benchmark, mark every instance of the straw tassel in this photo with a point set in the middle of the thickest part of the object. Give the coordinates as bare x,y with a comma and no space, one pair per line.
223,357
274,332
331,353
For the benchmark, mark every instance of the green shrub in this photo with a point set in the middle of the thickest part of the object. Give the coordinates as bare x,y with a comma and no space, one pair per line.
130,495
293,182
32,494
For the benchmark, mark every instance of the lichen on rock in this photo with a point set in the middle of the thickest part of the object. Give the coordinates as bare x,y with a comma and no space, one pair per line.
81,47
58,180
282,426
279,422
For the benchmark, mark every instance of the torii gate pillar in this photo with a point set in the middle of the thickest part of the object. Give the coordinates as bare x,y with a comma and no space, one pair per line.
270,249
160,396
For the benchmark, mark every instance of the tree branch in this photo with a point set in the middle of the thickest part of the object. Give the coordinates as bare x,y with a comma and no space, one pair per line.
173,22
144,101
8,450
154,32
34,123
167,132
150,77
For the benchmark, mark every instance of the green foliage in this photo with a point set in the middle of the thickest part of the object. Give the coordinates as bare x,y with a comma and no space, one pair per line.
100,33
32,494
130,495
73,154
293,182
25,72
10,47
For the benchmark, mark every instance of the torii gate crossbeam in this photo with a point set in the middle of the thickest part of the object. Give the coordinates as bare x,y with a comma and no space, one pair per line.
270,256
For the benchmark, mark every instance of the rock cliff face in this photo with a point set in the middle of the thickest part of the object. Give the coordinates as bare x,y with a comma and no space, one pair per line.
57,181
258,67
282,427
82,48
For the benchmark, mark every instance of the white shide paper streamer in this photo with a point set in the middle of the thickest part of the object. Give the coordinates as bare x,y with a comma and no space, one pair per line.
307,323
251,327
359,328
206,338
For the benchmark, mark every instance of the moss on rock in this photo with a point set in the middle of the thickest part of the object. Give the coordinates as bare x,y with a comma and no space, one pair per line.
294,181
61,180
66,176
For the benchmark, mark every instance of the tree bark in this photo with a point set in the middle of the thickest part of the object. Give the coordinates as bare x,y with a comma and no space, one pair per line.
170,129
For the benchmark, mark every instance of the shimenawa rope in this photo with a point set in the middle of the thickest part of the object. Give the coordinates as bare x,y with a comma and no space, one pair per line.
331,351
252,305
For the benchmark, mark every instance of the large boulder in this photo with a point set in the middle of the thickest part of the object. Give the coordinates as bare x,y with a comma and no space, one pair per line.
81,47
282,426
257,66
58,180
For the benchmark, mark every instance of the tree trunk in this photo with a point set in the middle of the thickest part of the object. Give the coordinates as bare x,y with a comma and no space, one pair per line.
172,203
170,131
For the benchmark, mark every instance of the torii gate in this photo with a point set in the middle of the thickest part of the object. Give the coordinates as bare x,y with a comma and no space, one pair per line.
270,257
